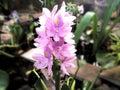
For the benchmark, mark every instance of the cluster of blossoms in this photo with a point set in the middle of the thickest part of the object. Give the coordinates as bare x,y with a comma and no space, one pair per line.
55,39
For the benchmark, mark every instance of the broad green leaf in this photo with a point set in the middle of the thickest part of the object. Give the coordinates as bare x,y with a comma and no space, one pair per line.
4,80
81,26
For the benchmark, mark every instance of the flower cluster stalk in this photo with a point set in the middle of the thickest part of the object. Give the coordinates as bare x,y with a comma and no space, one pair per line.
56,73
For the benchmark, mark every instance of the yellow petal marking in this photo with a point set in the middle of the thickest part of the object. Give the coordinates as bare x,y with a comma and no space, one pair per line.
46,54
57,22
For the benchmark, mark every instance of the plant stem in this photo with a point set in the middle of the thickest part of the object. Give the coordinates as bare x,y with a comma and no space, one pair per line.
6,54
36,73
57,80
56,73
76,70
9,46
12,40
95,79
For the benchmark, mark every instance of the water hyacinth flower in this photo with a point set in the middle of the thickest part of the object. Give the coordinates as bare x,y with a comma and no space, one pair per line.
55,39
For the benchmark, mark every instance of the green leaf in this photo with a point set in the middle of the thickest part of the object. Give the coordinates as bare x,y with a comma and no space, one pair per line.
95,35
118,55
113,47
9,28
117,32
106,60
117,20
82,25
102,57
111,7
102,35
86,85
18,31
114,37
65,87
4,80
109,65
40,85
71,83
32,27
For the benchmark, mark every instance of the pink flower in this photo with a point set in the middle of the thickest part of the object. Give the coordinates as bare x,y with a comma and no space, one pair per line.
55,39
43,62
44,59
67,50
42,40
62,23
57,23
67,63
59,43
47,52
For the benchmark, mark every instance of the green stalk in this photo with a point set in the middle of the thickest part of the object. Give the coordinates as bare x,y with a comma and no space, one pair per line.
36,73
12,40
7,45
95,79
56,73
78,67
6,54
